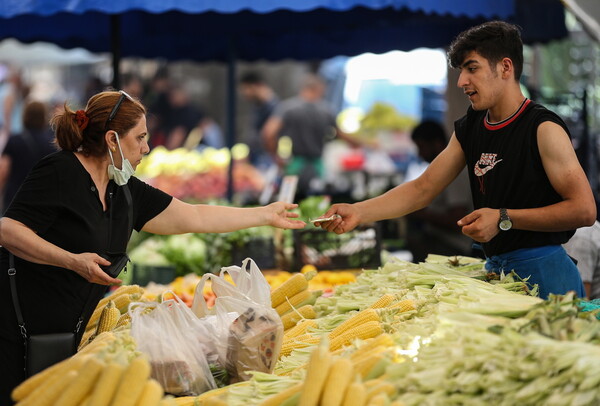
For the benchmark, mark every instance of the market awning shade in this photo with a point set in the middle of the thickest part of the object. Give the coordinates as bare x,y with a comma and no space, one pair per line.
299,29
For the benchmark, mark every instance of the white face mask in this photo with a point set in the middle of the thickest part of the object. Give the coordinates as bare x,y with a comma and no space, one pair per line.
120,176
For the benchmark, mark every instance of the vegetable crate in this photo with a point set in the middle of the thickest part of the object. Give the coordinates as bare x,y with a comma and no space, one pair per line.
144,274
357,249
260,249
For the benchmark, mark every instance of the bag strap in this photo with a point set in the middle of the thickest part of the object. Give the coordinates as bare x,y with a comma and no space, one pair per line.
12,277
12,274
130,207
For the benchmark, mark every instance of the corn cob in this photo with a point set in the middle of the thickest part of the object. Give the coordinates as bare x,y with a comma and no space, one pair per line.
356,394
383,301
364,366
87,338
294,301
367,330
47,393
82,384
340,376
151,394
215,402
356,320
121,302
318,367
86,401
382,388
124,320
108,318
168,401
121,290
102,340
403,306
381,341
107,384
279,398
378,400
28,386
290,319
299,329
204,397
288,289
131,386
186,401
302,341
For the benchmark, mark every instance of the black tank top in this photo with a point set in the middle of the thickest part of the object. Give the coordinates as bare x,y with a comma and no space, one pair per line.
505,170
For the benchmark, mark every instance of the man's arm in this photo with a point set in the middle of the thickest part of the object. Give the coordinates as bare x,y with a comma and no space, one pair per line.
577,209
405,198
270,133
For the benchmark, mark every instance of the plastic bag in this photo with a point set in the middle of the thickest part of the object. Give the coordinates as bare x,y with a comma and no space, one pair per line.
179,345
249,330
249,284
253,340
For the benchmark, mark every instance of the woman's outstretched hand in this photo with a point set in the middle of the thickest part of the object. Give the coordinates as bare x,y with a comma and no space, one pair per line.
280,216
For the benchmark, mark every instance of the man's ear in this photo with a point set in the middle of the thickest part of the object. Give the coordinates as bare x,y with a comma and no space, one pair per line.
507,67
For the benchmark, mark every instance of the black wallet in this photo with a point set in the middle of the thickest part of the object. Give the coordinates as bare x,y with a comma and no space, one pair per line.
117,263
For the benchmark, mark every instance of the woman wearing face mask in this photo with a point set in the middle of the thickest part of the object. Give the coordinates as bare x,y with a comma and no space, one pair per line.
74,209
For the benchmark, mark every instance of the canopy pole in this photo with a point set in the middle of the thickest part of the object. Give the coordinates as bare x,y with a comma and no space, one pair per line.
231,111
115,44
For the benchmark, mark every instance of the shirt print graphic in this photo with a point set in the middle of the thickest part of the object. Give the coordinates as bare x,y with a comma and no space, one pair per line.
485,164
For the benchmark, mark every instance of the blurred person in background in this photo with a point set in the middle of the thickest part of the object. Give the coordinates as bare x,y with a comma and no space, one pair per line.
182,116
255,89
584,247
310,122
13,96
133,85
433,229
157,100
25,149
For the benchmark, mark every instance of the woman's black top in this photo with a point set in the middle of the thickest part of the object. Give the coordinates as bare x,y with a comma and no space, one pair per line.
60,202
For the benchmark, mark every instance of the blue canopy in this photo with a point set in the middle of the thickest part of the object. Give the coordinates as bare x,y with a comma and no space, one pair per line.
265,29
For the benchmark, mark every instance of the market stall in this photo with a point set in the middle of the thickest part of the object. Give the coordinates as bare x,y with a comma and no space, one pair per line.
439,332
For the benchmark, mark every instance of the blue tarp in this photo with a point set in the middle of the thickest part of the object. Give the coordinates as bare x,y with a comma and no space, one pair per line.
468,8
265,29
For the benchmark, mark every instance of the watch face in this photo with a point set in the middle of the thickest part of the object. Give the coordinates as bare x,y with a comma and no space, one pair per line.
505,225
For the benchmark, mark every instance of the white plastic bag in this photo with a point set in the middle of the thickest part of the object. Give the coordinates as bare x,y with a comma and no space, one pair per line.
249,284
179,345
249,330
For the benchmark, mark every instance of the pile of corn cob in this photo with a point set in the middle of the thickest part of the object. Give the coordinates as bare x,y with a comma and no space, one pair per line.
111,312
362,325
108,372
293,294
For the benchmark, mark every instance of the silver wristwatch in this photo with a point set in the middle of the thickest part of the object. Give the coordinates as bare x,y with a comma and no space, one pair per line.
505,222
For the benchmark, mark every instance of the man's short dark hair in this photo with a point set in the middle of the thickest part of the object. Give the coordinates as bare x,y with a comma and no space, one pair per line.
252,78
494,40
